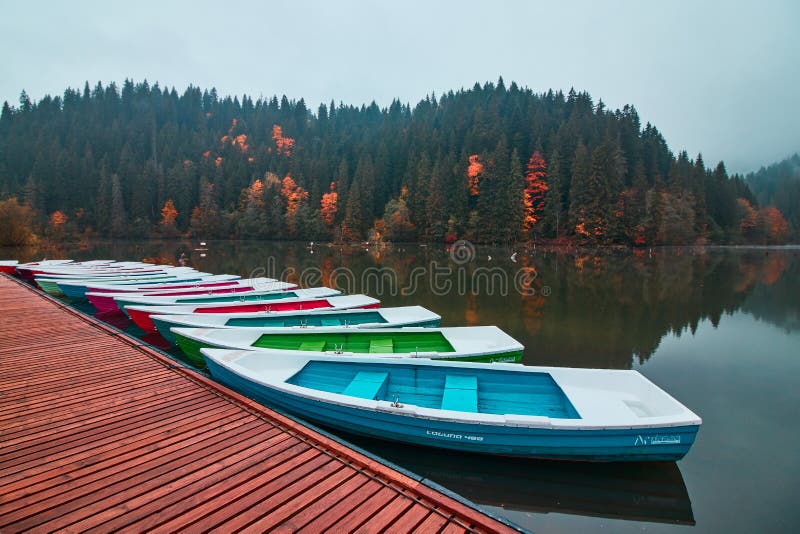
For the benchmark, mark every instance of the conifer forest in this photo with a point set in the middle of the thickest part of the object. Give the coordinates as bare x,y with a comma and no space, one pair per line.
492,164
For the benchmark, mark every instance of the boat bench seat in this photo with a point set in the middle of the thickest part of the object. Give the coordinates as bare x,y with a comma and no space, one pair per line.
330,321
318,346
460,393
366,384
381,346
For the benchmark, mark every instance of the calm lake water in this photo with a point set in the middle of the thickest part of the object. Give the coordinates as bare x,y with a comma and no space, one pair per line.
719,329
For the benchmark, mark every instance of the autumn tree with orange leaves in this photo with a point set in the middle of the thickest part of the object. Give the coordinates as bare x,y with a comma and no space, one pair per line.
535,189
773,225
168,216
474,171
58,221
283,144
329,206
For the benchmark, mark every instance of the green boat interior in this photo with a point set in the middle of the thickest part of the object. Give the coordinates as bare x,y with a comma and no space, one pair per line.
358,342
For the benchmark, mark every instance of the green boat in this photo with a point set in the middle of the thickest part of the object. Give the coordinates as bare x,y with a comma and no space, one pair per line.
357,318
469,343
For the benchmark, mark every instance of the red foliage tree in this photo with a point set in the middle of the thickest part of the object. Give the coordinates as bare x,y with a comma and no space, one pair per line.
535,188
474,171
283,144
328,205
773,224
168,214
58,219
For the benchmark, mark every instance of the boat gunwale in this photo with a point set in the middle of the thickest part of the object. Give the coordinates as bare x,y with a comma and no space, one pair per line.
425,315
229,362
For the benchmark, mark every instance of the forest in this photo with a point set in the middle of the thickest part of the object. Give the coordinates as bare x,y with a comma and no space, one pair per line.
491,164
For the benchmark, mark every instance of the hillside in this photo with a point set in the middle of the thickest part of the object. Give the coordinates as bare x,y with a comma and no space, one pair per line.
490,164
779,185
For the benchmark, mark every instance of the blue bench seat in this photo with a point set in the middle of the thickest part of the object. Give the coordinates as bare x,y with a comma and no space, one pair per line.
366,384
460,393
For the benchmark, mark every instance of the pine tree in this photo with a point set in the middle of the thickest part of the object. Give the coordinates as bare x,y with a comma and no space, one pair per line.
119,221
553,213
584,204
351,227
205,220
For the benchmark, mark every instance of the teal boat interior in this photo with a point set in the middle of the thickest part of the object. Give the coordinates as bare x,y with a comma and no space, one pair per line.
458,389
234,297
328,319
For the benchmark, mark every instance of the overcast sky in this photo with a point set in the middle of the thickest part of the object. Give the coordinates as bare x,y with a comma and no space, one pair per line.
721,77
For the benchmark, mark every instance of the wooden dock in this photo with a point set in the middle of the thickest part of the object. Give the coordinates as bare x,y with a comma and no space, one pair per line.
98,432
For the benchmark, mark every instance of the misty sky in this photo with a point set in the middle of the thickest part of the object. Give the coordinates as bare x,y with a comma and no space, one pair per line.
721,78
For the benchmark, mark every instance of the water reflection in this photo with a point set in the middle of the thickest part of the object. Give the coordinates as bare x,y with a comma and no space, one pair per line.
653,492
604,309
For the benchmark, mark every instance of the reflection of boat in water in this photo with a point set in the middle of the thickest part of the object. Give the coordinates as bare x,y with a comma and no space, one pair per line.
652,491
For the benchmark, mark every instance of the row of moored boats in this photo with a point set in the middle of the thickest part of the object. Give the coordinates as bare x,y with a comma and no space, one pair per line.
344,362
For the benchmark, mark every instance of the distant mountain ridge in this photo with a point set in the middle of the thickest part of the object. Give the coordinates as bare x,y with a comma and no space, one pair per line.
489,164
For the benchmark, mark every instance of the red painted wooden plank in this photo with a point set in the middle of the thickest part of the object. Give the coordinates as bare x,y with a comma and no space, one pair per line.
223,496
55,408
120,496
260,488
39,392
410,520
387,514
120,427
433,523
103,463
333,506
454,528
307,486
176,492
94,422
284,515
81,495
359,515
35,470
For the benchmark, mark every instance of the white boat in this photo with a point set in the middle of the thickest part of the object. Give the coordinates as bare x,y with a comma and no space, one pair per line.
465,343
511,410
102,296
76,287
266,292
399,317
141,314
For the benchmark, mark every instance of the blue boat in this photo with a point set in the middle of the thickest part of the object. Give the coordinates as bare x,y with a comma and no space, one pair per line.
504,409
